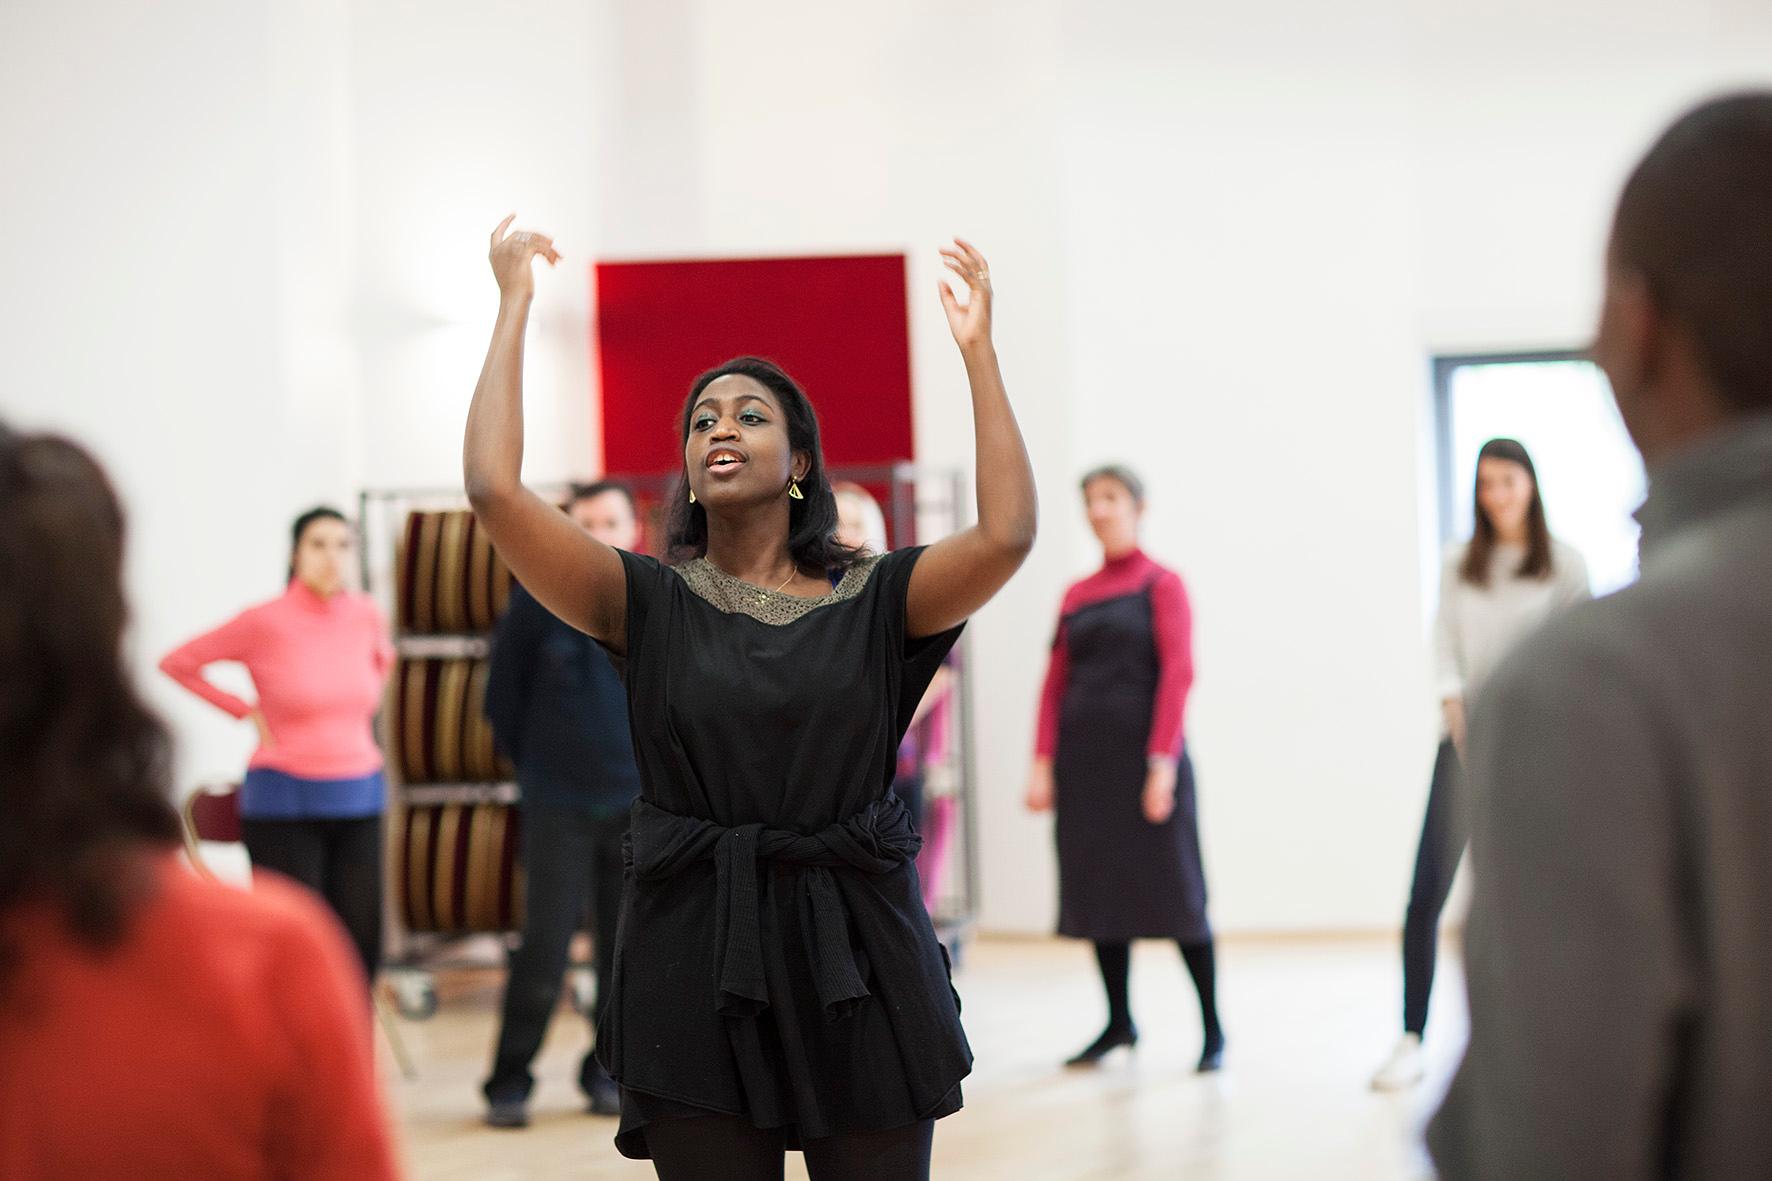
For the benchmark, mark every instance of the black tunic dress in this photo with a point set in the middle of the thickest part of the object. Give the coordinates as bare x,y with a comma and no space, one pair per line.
1120,876
774,957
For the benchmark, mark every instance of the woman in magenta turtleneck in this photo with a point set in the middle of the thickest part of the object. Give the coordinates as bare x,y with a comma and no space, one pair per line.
1112,762
312,801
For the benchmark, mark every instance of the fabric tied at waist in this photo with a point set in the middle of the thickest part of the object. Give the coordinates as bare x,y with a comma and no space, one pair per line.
875,840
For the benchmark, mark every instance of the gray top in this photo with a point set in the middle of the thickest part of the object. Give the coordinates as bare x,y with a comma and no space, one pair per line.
1619,946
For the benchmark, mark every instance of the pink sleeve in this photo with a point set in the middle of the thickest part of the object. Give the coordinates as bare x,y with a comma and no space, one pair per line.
1058,672
1172,620
331,1125
233,640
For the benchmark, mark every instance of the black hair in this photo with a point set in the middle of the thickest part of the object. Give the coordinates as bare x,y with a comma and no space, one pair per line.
1127,478
85,766
582,492
318,513
812,522
1540,561
1695,222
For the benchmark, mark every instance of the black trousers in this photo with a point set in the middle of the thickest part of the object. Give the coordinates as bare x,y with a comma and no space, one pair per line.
1443,836
569,859
341,860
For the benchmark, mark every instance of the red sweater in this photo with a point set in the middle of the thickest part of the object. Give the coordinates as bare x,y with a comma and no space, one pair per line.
227,1036
318,666
1172,622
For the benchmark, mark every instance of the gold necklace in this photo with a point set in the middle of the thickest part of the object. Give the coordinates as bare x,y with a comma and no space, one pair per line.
762,595
777,590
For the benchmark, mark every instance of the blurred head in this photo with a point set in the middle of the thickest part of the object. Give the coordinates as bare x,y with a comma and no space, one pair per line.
321,546
84,767
607,511
748,431
1508,506
1113,496
1683,330
1507,488
860,523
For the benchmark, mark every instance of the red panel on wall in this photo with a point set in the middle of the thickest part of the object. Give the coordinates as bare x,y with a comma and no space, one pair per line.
838,325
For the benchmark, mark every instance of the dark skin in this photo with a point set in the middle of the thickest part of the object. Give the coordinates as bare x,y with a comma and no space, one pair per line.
1667,400
582,580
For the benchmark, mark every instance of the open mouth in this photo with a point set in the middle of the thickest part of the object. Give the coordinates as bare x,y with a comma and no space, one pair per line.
724,461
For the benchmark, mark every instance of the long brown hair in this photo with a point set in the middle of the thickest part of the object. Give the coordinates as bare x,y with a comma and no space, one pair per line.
84,765
1539,559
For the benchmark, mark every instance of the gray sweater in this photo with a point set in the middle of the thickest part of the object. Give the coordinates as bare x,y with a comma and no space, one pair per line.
1619,947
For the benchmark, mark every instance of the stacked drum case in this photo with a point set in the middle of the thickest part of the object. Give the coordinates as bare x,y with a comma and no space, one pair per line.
458,867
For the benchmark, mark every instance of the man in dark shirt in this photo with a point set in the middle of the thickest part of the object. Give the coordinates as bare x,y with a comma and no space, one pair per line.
1619,946
559,711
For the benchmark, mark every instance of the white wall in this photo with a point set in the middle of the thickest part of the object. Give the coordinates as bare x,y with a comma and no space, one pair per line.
245,259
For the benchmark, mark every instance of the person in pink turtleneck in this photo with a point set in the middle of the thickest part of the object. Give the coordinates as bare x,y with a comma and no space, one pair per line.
1112,761
314,793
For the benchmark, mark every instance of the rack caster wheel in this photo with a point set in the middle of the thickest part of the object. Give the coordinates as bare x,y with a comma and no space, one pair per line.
415,994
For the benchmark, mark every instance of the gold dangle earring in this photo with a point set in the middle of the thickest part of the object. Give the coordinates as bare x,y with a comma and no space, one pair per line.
794,492
692,496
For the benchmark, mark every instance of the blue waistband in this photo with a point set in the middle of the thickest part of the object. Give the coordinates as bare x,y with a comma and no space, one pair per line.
276,795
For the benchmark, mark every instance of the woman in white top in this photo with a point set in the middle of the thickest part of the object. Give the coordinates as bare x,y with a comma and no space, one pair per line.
1495,589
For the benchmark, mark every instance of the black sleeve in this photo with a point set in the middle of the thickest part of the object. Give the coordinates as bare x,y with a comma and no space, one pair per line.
915,661
645,578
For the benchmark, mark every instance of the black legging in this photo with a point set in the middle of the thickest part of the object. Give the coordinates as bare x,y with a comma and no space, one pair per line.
1443,835
340,860
729,1148
1115,961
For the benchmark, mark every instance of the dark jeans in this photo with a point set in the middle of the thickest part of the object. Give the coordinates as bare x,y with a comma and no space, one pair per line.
338,859
568,859
1443,836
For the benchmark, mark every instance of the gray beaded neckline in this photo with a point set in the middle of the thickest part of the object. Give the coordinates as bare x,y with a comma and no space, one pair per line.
734,596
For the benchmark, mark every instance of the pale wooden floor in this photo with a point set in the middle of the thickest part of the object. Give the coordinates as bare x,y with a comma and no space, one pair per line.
1308,1021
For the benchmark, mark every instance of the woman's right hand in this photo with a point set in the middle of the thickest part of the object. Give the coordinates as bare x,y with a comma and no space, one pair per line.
265,741
1039,798
513,256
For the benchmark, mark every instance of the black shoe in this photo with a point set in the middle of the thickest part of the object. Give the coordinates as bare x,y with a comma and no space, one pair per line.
513,1113
600,1089
1212,1057
1111,1039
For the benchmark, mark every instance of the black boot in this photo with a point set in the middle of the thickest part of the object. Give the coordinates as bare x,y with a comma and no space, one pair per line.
1212,1056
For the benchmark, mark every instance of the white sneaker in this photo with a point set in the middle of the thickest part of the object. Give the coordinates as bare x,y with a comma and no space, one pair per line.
1403,1068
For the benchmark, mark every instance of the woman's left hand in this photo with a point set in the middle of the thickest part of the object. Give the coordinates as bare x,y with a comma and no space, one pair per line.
971,323
1159,792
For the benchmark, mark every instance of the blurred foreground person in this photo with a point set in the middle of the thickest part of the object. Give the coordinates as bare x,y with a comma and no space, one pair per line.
152,1024
1619,945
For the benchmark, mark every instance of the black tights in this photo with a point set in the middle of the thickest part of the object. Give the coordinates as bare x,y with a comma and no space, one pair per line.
729,1148
340,860
1115,961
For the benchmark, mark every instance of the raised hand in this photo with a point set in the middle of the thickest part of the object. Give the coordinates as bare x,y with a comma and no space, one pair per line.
512,256
971,321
